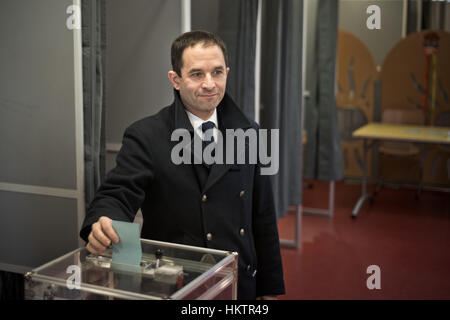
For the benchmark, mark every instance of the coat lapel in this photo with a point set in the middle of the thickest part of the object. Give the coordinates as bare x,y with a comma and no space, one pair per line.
181,121
230,117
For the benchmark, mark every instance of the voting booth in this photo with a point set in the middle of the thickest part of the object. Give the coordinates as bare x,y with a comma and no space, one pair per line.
166,271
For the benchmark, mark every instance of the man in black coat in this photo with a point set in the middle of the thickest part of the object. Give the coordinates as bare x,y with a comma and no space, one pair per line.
226,206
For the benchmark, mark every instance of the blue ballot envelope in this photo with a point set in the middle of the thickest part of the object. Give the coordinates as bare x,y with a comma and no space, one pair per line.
127,253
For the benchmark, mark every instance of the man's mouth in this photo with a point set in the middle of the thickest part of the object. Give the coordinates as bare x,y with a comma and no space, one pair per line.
210,95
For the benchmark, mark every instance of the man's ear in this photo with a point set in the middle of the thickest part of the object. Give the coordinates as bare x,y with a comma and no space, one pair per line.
228,70
174,79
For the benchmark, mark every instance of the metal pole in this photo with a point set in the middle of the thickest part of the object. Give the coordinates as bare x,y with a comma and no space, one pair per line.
331,199
79,136
364,182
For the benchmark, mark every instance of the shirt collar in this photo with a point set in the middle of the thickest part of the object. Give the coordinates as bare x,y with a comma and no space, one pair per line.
197,122
229,114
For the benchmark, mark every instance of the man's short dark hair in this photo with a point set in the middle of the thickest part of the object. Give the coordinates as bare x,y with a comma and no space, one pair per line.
190,39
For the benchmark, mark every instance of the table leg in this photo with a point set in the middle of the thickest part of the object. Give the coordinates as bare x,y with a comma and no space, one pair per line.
364,194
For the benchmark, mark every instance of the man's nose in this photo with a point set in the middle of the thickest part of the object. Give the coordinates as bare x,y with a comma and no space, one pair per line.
209,82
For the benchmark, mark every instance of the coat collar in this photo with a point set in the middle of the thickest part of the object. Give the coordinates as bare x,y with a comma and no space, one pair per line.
181,118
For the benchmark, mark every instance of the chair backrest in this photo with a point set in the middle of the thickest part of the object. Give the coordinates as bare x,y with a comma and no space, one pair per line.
403,116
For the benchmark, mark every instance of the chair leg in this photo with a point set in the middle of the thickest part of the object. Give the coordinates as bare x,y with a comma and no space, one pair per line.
419,190
379,186
419,187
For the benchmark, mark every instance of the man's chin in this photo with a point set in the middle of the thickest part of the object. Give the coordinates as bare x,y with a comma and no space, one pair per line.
209,107
209,110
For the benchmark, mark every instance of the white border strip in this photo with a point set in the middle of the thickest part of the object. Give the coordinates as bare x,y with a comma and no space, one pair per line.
39,190
258,63
404,18
79,125
185,16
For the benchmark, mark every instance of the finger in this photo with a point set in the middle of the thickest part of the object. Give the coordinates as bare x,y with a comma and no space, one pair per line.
109,230
91,249
100,236
95,244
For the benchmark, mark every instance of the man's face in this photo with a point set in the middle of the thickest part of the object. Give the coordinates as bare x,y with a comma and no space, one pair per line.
203,79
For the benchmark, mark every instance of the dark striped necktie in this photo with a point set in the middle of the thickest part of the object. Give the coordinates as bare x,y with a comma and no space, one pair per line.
208,139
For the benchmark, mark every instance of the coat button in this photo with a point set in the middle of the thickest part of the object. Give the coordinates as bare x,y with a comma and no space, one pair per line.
241,194
204,198
209,236
249,267
242,232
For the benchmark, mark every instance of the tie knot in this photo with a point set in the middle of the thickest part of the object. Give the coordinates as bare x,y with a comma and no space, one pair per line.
207,125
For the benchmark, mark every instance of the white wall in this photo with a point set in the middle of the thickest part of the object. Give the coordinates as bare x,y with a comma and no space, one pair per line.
139,36
40,193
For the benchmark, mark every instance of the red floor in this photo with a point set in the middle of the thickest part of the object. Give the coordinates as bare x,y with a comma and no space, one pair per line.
408,239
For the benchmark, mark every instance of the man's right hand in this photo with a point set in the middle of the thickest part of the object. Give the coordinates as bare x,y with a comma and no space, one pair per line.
102,233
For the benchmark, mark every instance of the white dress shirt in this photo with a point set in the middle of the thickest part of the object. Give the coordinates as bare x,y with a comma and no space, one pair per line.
197,124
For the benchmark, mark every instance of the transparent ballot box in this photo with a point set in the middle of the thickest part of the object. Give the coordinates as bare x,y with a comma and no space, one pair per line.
166,271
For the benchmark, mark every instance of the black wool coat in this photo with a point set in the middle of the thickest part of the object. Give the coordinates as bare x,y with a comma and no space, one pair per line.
229,207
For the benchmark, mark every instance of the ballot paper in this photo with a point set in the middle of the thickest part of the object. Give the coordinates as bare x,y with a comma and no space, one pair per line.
127,253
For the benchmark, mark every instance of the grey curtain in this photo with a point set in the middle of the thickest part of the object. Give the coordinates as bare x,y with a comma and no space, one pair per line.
323,149
281,93
237,27
434,15
94,46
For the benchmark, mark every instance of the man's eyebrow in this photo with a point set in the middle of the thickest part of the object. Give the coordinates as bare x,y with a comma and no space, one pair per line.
195,70
200,70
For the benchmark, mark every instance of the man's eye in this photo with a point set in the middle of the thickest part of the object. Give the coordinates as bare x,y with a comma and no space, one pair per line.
218,72
196,74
